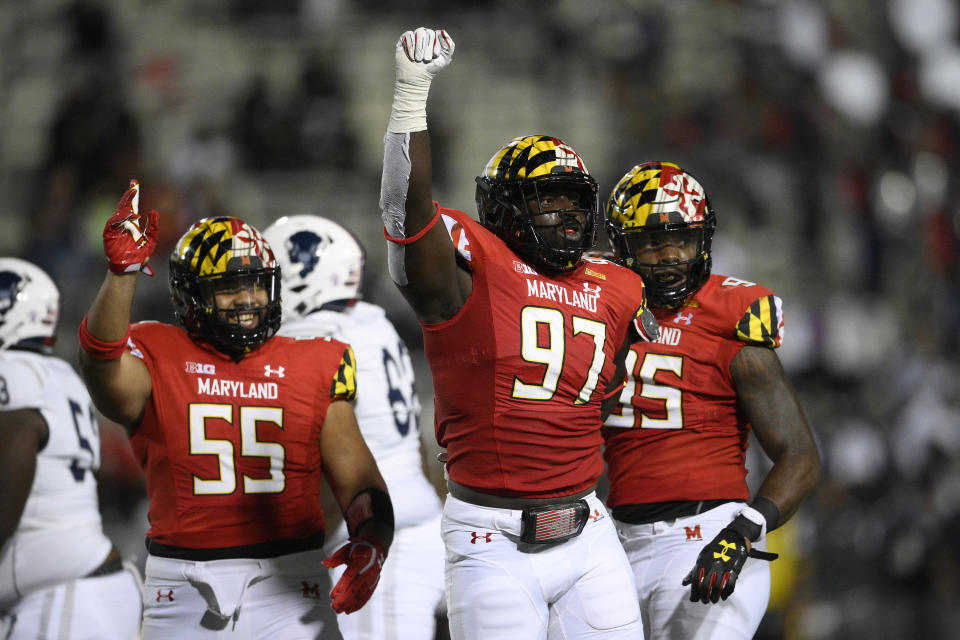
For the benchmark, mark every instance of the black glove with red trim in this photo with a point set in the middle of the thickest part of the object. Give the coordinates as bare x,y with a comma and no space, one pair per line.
715,575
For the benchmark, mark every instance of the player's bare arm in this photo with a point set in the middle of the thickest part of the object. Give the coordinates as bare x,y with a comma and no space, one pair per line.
119,383
771,403
421,256
23,433
438,286
356,483
348,465
120,387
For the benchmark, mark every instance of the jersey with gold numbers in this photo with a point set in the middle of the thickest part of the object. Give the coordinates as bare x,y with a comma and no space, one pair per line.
232,449
521,371
677,433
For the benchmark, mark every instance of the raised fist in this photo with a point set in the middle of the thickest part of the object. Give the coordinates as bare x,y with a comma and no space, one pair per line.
422,53
128,238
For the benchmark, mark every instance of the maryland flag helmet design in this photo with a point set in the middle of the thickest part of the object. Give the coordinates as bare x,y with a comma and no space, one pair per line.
538,197
226,256
652,202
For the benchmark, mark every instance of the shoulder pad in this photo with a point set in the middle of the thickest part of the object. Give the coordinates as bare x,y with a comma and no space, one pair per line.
762,322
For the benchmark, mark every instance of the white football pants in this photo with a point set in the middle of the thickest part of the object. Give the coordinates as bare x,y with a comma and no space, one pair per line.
286,597
663,553
500,588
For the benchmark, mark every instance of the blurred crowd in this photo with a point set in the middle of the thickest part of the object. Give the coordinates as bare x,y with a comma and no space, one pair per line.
827,133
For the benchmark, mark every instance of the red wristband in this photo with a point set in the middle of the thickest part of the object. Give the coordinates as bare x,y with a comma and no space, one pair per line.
99,349
417,235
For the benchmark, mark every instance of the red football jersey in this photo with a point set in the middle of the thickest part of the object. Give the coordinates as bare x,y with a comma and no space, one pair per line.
677,433
520,372
231,450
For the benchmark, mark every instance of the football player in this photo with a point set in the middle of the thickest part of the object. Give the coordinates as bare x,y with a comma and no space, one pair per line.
523,338
233,426
323,272
675,446
59,574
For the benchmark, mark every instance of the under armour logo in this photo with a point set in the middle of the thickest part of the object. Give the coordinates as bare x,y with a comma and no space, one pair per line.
596,515
267,371
481,537
310,590
727,546
168,595
591,291
694,533
687,319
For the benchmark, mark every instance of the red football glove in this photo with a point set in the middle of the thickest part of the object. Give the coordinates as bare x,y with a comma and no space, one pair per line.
364,558
127,245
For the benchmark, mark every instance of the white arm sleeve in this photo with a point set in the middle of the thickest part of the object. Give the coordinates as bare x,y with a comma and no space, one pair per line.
393,199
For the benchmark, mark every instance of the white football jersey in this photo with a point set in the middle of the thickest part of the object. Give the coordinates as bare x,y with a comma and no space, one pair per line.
387,407
59,537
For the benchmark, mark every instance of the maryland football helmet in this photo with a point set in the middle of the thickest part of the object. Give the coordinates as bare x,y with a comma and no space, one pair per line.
224,254
658,198
322,264
29,306
516,190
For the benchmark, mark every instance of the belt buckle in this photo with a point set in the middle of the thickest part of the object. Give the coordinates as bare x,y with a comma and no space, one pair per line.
553,522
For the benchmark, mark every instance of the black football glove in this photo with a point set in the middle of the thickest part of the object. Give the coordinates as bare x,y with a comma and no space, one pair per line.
719,563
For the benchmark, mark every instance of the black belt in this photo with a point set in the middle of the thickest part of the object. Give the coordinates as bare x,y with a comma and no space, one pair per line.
659,511
110,565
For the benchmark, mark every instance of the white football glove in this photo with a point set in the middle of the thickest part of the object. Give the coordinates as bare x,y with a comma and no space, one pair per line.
419,56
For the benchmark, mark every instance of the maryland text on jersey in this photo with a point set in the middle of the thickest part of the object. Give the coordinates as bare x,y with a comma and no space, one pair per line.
554,292
237,389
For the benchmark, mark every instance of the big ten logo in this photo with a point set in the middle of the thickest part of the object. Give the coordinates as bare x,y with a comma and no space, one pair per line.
521,267
200,367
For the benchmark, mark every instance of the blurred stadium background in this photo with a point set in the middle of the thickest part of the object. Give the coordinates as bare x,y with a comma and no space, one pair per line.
827,133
